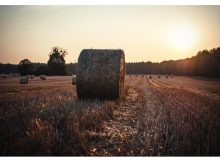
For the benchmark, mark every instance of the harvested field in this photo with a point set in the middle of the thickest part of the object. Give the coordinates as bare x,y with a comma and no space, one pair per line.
176,116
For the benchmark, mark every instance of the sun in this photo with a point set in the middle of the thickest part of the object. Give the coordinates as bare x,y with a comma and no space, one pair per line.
183,38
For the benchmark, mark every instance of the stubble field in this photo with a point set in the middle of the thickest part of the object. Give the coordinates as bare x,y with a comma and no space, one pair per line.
159,117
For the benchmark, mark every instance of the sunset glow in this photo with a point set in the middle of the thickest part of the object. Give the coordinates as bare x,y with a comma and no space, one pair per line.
184,38
145,33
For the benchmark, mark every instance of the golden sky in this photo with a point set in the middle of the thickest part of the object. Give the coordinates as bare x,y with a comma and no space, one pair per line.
145,33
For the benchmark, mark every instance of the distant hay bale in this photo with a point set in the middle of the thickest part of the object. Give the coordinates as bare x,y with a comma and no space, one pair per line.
167,76
100,74
43,77
31,76
150,77
158,76
74,80
24,80
171,75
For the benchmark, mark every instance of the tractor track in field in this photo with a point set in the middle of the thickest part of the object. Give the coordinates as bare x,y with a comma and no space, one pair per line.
126,133
119,135
162,83
156,82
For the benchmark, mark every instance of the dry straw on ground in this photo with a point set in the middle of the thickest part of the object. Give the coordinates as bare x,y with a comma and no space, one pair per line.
100,74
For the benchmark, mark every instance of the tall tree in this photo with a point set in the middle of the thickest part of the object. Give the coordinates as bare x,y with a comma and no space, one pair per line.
25,67
56,63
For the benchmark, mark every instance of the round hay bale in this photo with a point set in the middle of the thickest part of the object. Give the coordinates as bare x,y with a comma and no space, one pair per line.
24,80
31,76
74,80
150,77
100,74
43,77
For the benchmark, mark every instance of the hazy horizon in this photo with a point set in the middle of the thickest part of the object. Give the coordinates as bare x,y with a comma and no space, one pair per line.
145,33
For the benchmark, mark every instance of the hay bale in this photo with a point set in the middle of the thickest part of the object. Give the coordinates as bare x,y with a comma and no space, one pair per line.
167,76
32,76
150,77
24,80
43,77
74,80
100,74
158,76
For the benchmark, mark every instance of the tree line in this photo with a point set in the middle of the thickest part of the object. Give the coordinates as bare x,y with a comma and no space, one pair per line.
38,69
56,64
205,63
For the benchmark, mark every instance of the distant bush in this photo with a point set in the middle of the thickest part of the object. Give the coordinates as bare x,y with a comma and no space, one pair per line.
25,67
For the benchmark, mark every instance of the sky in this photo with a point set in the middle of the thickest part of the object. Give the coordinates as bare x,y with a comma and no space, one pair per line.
145,33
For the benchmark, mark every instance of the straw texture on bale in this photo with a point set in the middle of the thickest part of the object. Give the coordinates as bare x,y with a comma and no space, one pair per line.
100,74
